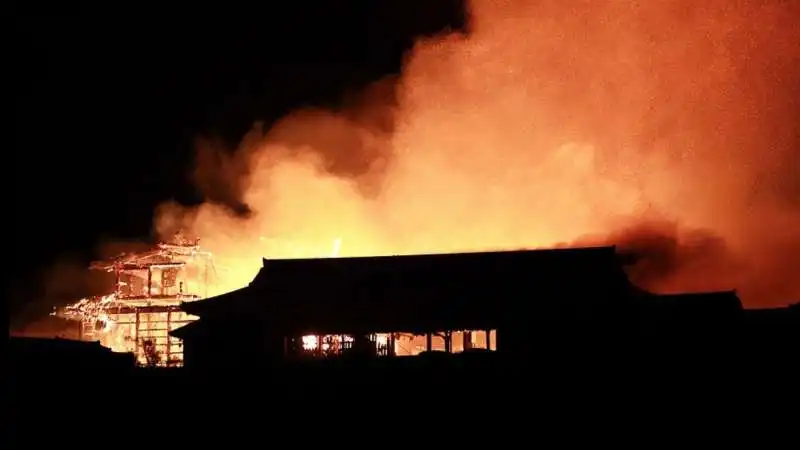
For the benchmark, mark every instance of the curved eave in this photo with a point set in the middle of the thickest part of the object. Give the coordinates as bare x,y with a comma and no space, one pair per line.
186,330
200,307
729,298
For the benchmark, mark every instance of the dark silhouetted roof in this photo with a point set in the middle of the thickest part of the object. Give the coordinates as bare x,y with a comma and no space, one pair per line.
695,305
37,344
309,280
187,330
395,291
63,354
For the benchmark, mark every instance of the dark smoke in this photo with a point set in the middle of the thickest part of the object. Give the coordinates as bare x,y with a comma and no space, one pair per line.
221,173
666,257
353,143
65,282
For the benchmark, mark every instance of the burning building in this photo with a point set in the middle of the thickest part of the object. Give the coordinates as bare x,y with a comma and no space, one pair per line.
144,305
544,303
406,305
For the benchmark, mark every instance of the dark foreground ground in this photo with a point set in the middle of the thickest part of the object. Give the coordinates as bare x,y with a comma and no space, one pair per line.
570,397
476,373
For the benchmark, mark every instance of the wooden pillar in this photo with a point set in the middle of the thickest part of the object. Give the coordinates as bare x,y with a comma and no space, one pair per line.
428,342
448,341
136,334
169,346
488,339
467,340
149,280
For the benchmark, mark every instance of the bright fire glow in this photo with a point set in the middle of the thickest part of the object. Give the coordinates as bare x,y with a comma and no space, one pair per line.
144,309
135,329
405,344
113,322
545,124
310,342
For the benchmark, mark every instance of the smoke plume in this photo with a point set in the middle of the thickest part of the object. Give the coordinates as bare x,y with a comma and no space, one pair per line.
549,122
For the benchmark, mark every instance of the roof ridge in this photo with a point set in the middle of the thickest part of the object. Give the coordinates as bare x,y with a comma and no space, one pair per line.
530,251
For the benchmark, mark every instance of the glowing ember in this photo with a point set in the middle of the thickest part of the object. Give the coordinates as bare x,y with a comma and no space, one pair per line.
91,310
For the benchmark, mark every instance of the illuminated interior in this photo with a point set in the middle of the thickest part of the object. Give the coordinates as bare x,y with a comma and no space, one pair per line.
402,344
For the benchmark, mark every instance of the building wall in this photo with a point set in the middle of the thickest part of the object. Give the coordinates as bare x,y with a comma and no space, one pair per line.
240,347
529,312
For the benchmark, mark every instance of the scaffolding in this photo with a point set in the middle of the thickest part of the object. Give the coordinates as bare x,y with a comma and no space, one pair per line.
144,307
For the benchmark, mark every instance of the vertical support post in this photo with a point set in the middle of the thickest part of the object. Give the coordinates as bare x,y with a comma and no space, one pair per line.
136,335
428,342
488,339
117,280
468,340
448,341
168,337
149,281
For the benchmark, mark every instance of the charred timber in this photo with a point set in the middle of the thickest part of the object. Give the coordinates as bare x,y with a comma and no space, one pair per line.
146,298
143,309
145,266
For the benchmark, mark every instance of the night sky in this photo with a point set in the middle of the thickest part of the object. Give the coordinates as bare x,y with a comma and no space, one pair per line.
107,111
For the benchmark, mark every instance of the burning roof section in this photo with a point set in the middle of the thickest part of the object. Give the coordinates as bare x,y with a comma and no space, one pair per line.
144,304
